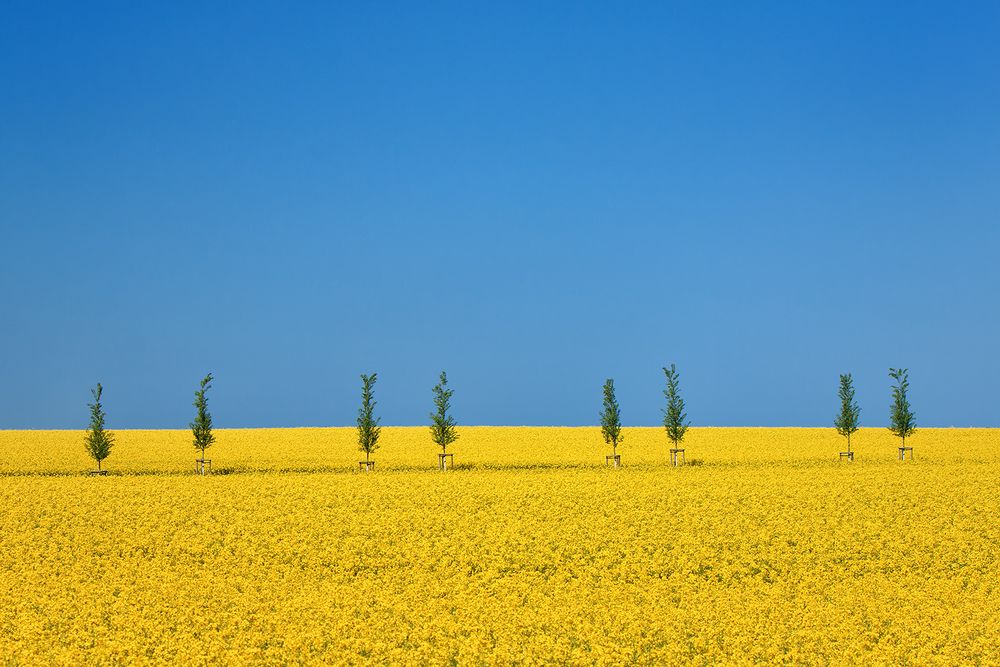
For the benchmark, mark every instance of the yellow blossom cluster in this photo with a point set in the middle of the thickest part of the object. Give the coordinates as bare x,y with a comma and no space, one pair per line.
766,549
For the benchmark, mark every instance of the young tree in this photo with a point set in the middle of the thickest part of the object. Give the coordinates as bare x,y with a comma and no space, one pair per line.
368,428
901,418
674,415
611,422
98,440
201,427
442,424
847,421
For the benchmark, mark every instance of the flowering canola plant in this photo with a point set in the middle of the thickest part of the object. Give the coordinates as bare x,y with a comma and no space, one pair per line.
768,549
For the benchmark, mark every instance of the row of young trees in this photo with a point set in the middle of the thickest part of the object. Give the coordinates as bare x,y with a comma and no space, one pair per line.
674,418
99,441
902,420
444,428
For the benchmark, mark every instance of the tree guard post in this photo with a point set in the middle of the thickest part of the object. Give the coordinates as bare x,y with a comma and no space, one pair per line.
366,466
203,466
445,461
902,453
847,455
613,460
674,454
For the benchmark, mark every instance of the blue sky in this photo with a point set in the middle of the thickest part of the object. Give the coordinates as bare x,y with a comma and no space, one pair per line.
533,196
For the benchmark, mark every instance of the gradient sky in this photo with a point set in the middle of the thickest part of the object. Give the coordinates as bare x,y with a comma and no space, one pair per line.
533,196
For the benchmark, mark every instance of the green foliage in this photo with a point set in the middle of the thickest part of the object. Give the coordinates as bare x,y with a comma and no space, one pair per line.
442,424
847,421
902,420
98,440
368,428
611,417
674,415
201,427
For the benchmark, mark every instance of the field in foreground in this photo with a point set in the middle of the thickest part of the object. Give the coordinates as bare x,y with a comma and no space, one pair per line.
530,551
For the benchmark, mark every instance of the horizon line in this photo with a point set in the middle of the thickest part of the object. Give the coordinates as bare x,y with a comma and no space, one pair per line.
460,426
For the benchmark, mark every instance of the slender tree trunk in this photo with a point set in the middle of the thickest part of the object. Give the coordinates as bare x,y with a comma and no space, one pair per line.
848,443
98,465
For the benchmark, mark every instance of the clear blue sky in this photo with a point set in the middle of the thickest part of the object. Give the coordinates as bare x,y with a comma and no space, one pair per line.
533,196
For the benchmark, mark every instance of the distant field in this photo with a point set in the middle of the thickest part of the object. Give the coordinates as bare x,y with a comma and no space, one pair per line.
410,449
769,549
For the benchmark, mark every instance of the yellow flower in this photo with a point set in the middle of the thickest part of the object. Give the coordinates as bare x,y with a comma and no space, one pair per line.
529,551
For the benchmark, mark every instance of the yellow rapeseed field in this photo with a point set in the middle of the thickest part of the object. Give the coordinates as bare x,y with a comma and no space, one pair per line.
767,549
